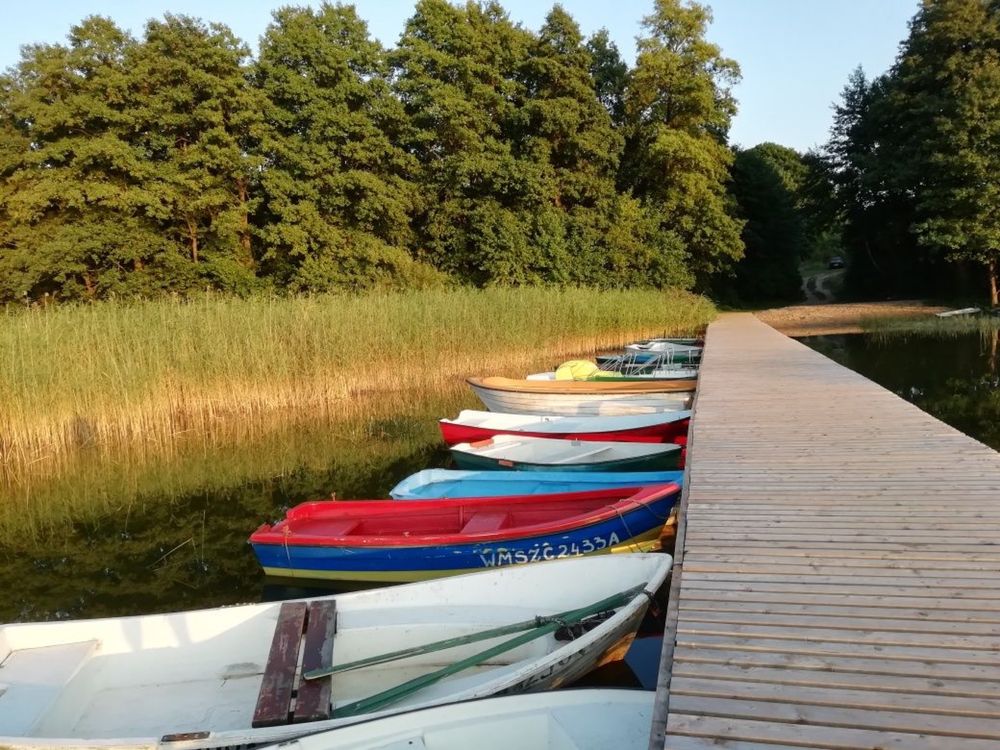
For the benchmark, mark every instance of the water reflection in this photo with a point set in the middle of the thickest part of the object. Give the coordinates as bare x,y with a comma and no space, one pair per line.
117,535
956,378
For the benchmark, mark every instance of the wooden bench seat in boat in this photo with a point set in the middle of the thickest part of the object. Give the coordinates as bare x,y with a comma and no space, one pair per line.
303,641
486,521
32,679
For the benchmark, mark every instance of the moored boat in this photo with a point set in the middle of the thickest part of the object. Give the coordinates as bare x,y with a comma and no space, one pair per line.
679,373
587,719
471,426
633,362
583,399
401,540
539,454
675,353
440,483
224,677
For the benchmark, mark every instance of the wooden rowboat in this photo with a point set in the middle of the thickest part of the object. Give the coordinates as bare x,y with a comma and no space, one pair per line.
593,719
471,426
225,677
411,540
542,454
582,398
438,483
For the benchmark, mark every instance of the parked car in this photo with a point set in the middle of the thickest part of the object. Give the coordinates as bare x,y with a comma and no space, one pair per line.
836,262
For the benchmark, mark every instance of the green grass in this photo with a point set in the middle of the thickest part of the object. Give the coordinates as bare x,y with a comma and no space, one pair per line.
930,325
133,378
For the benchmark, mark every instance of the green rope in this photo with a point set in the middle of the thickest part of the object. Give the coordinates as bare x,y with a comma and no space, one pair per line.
539,627
462,640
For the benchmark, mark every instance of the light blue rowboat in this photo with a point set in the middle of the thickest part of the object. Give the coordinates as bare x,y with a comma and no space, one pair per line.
434,483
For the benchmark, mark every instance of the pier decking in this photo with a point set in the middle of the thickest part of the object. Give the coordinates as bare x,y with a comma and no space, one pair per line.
837,582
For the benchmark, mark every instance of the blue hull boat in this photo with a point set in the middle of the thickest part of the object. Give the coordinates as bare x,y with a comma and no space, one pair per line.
437,483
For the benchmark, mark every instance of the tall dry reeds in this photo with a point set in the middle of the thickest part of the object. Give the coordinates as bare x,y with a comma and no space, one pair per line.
135,375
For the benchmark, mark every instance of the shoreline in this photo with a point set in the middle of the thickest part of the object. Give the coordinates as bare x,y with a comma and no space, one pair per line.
837,318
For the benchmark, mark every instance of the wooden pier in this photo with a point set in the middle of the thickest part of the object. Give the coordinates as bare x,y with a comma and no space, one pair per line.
837,575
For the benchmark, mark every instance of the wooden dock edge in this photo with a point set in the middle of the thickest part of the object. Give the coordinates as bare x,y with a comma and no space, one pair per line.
661,704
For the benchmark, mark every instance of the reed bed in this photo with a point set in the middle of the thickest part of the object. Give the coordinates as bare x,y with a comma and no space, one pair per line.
959,325
134,377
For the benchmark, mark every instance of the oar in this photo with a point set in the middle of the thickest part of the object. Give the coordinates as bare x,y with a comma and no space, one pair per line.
427,648
397,693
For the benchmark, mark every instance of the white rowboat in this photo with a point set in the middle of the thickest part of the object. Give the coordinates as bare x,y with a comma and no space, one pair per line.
194,679
654,345
527,453
499,421
582,399
591,719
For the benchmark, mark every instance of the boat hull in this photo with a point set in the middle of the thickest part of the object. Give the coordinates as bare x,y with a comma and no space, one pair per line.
661,462
592,719
440,483
406,565
382,541
582,404
196,675
667,432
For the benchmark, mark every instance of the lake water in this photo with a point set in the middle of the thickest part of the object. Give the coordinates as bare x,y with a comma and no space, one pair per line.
957,379
113,537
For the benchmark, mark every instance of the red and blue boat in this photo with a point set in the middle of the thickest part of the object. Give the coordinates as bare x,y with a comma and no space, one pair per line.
411,540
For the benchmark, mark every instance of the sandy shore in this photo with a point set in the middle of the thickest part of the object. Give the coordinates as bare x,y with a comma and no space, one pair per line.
817,320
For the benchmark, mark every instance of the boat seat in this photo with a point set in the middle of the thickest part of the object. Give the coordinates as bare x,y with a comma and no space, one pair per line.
31,680
485,521
285,696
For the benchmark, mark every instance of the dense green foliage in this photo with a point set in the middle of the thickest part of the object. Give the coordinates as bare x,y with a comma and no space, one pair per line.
774,232
915,158
474,152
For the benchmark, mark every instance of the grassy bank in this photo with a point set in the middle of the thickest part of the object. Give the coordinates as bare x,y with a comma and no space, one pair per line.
135,377
959,325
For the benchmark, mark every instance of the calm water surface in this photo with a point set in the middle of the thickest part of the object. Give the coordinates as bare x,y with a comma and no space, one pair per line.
957,379
172,535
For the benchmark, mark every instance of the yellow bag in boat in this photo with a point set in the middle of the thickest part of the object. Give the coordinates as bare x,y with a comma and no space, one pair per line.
581,369
575,369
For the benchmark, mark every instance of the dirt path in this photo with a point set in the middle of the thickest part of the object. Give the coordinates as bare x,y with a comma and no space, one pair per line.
817,287
828,318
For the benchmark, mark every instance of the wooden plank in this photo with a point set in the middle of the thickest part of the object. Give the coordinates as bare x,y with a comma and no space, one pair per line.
823,678
312,702
873,599
829,598
276,686
808,620
859,664
836,589
851,696
728,733
931,618
854,717
842,648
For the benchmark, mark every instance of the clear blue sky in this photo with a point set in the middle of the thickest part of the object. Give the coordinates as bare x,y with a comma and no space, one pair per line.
795,54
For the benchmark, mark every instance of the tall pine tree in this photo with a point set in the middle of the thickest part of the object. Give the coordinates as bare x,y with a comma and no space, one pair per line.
945,94
679,106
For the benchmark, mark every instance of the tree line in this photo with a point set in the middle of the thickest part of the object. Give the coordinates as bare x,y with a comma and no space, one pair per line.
913,161
474,151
